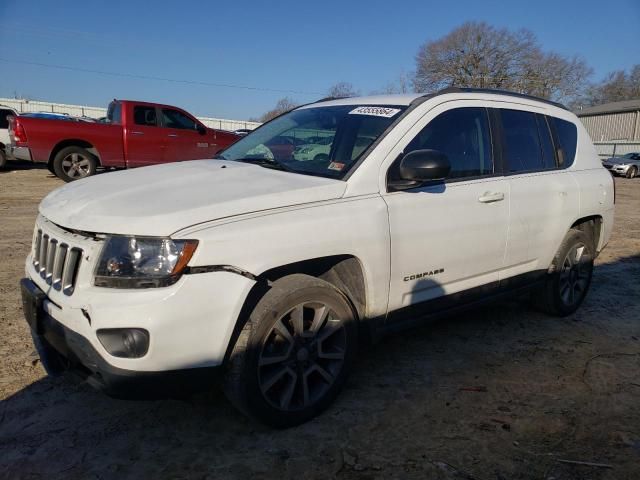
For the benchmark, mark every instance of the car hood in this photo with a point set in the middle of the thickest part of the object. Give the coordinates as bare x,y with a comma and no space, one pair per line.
617,161
163,199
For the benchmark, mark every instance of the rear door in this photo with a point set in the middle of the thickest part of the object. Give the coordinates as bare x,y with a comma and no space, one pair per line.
187,139
145,143
544,194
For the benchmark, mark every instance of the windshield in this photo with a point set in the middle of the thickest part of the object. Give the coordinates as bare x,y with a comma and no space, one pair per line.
632,156
322,141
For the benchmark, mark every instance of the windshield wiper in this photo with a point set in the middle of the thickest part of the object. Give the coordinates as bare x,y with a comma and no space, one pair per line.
264,162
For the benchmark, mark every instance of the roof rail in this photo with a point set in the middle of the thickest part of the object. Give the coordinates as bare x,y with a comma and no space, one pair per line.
327,99
498,92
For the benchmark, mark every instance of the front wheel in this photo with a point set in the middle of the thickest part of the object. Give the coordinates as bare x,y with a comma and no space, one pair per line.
294,353
74,163
566,286
632,172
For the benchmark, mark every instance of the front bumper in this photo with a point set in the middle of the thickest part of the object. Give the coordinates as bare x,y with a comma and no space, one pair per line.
61,349
617,169
19,153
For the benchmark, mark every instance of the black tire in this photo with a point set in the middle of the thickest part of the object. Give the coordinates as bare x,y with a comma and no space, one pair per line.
271,378
3,158
50,168
632,172
567,284
74,163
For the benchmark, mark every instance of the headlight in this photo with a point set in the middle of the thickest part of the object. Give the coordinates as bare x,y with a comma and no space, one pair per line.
143,262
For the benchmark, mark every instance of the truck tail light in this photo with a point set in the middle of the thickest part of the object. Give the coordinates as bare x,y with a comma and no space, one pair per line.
16,131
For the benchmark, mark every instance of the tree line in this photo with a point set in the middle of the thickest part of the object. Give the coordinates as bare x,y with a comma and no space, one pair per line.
479,55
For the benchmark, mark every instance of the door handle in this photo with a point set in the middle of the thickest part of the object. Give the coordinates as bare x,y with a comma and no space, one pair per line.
136,133
489,197
172,135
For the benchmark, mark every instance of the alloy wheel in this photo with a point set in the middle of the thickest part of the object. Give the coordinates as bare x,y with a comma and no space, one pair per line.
302,356
76,165
575,274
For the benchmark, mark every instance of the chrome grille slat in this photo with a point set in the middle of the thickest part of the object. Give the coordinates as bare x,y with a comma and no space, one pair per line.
56,262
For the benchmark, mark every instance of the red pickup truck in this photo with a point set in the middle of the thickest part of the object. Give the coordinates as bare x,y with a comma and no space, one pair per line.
134,134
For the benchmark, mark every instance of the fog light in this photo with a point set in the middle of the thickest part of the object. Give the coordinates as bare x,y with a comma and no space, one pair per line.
125,342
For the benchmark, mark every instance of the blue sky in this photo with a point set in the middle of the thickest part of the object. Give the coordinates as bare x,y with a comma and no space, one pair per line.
293,46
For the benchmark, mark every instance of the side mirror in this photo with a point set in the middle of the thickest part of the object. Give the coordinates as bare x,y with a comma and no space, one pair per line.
201,129
424,165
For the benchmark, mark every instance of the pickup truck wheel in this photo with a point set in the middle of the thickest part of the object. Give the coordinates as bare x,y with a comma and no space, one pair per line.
632,172
74,163
3,159
294,353
572,268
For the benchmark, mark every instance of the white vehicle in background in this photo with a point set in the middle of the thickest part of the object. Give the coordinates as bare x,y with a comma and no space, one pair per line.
4,133
268,269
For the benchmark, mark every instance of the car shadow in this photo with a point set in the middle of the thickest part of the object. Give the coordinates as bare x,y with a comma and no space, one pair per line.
481,381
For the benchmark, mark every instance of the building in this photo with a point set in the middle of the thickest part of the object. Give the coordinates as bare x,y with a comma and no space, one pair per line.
613,127
617,121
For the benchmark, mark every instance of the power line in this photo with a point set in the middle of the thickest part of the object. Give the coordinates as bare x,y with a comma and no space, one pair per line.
149,77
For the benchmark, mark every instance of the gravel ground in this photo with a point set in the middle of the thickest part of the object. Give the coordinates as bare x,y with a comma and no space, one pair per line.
499,393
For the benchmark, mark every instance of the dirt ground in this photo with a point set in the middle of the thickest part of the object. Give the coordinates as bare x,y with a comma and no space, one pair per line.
499,393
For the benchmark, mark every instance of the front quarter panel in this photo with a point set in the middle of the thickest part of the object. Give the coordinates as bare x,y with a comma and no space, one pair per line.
352,226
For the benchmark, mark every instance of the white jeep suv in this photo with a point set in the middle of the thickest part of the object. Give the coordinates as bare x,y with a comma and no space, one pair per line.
268,269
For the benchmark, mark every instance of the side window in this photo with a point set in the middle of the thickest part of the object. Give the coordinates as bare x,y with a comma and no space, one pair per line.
463,135
546,142
143,115
567,136
4,122
114,113
522,145
175,119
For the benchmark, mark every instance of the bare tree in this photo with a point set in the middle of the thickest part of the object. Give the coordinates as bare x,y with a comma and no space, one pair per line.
342,90
479,55
283,105
616,86
402,84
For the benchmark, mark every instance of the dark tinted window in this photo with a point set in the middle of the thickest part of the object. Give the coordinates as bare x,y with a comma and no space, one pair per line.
143,115
463,135
523,151
114,113
175,119
4,123
567,138
546,142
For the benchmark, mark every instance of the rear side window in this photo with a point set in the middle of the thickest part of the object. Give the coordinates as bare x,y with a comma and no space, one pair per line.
567,138
4,122
114,113
463,135
143,115
521,140
546,142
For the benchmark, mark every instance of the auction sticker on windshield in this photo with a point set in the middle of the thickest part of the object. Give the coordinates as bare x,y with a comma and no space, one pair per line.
375,111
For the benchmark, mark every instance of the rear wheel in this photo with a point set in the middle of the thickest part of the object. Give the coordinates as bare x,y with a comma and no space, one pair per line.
74,163
3,158
294,353
632,172
566,286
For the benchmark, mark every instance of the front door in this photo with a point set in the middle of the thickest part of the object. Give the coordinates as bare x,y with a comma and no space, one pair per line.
184,141
448,237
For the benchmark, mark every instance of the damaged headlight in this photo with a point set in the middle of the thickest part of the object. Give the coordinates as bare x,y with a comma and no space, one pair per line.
143,262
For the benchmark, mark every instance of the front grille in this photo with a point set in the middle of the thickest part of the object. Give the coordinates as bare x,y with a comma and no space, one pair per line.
56,262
